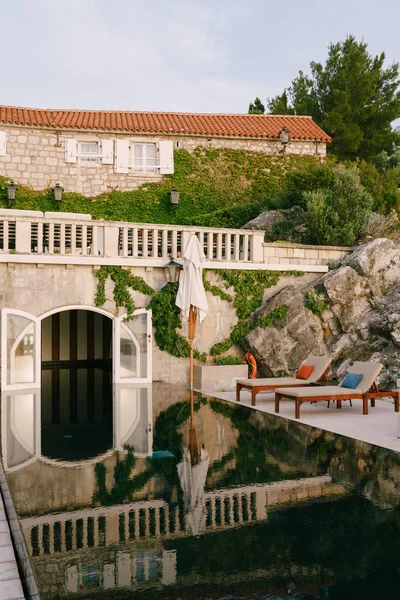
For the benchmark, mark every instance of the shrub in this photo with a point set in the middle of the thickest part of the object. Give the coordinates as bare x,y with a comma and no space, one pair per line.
229,360
317,303
338,215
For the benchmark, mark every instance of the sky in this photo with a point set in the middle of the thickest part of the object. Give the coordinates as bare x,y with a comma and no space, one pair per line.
175,55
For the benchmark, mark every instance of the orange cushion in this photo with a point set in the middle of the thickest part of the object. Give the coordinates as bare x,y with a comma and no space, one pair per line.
305,372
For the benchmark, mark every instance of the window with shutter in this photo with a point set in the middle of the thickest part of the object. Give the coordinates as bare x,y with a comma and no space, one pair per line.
145,158
88,152
107,152
70,150
166,157
122,156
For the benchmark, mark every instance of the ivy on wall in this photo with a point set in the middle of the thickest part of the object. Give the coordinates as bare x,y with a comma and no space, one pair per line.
218,188
123,281
249,289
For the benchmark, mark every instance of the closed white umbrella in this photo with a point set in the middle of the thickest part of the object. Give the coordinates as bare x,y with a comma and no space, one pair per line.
191,292
191,297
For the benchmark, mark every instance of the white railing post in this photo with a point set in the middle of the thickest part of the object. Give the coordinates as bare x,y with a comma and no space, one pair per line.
73,238
174,248
164,252
22,236
84,240
210,245
236,247
135,242
257,254
219,246
124,241
145,247
95,241
62,238
111,233
155,243
40,238
51,238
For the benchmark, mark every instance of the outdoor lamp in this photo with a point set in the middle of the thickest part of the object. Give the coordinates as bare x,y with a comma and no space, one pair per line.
58,192
284,135
11,189
173,271
174,196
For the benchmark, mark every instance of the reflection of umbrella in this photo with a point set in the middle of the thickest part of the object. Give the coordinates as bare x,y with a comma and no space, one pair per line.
191,298
193,479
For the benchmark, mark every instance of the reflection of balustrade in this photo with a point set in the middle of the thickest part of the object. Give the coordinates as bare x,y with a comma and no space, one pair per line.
90,528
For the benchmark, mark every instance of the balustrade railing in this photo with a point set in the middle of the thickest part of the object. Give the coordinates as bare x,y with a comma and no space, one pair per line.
36,233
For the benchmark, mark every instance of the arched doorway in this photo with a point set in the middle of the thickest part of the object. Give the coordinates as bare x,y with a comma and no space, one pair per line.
76,384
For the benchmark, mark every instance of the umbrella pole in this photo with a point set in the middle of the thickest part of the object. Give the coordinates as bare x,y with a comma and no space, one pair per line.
192,333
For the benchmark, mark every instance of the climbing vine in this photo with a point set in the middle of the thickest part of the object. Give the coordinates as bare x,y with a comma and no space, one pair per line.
123,281
249,287
244,327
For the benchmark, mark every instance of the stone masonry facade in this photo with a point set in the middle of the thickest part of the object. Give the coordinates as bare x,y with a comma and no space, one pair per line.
35,157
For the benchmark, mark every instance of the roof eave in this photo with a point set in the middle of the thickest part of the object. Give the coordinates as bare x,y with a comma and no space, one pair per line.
56,127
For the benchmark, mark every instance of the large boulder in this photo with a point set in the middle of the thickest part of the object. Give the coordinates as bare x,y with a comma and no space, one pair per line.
386,320
379,261
280,349
290,221
348,295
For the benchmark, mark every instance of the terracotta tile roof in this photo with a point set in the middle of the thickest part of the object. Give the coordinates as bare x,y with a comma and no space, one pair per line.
213,125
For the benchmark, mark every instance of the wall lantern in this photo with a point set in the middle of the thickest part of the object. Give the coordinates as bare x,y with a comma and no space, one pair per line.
174,196
284,135
173,271
11,189
58,192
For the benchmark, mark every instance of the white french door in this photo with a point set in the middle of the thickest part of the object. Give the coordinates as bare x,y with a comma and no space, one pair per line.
20,350
132,356
133,415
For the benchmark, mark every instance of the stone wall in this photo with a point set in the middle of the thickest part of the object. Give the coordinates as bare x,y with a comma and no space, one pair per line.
35,157
302,254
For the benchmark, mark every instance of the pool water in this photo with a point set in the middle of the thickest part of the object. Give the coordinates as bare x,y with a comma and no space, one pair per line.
243,505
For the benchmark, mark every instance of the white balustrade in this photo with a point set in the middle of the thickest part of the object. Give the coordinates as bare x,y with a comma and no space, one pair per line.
77,239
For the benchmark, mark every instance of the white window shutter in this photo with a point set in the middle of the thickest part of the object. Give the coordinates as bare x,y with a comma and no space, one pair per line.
166,157
2,143
122,156
107,152
70,150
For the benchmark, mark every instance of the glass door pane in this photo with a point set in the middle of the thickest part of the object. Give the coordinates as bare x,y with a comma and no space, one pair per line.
20,350
132,343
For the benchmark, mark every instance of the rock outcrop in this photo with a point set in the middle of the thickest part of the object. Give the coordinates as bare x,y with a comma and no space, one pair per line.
281,348
361,320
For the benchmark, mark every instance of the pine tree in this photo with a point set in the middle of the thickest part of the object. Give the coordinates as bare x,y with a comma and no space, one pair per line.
353,97
256,107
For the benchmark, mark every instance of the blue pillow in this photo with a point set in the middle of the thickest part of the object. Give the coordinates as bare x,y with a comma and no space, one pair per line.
351,380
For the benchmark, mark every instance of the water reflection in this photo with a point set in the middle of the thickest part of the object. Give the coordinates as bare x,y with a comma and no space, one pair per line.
119,416
239,504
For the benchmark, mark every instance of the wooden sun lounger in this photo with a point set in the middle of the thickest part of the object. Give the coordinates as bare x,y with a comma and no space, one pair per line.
255,386
338,393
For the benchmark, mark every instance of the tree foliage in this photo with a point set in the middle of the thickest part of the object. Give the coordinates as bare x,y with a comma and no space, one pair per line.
338,215
353,97
256,107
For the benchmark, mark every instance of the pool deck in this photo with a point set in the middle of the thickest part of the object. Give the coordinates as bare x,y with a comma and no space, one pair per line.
10,583
379,427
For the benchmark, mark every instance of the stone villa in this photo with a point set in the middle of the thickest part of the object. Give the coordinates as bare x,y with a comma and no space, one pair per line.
91,152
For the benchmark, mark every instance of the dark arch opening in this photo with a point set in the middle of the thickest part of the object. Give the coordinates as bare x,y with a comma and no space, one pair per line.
76,395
